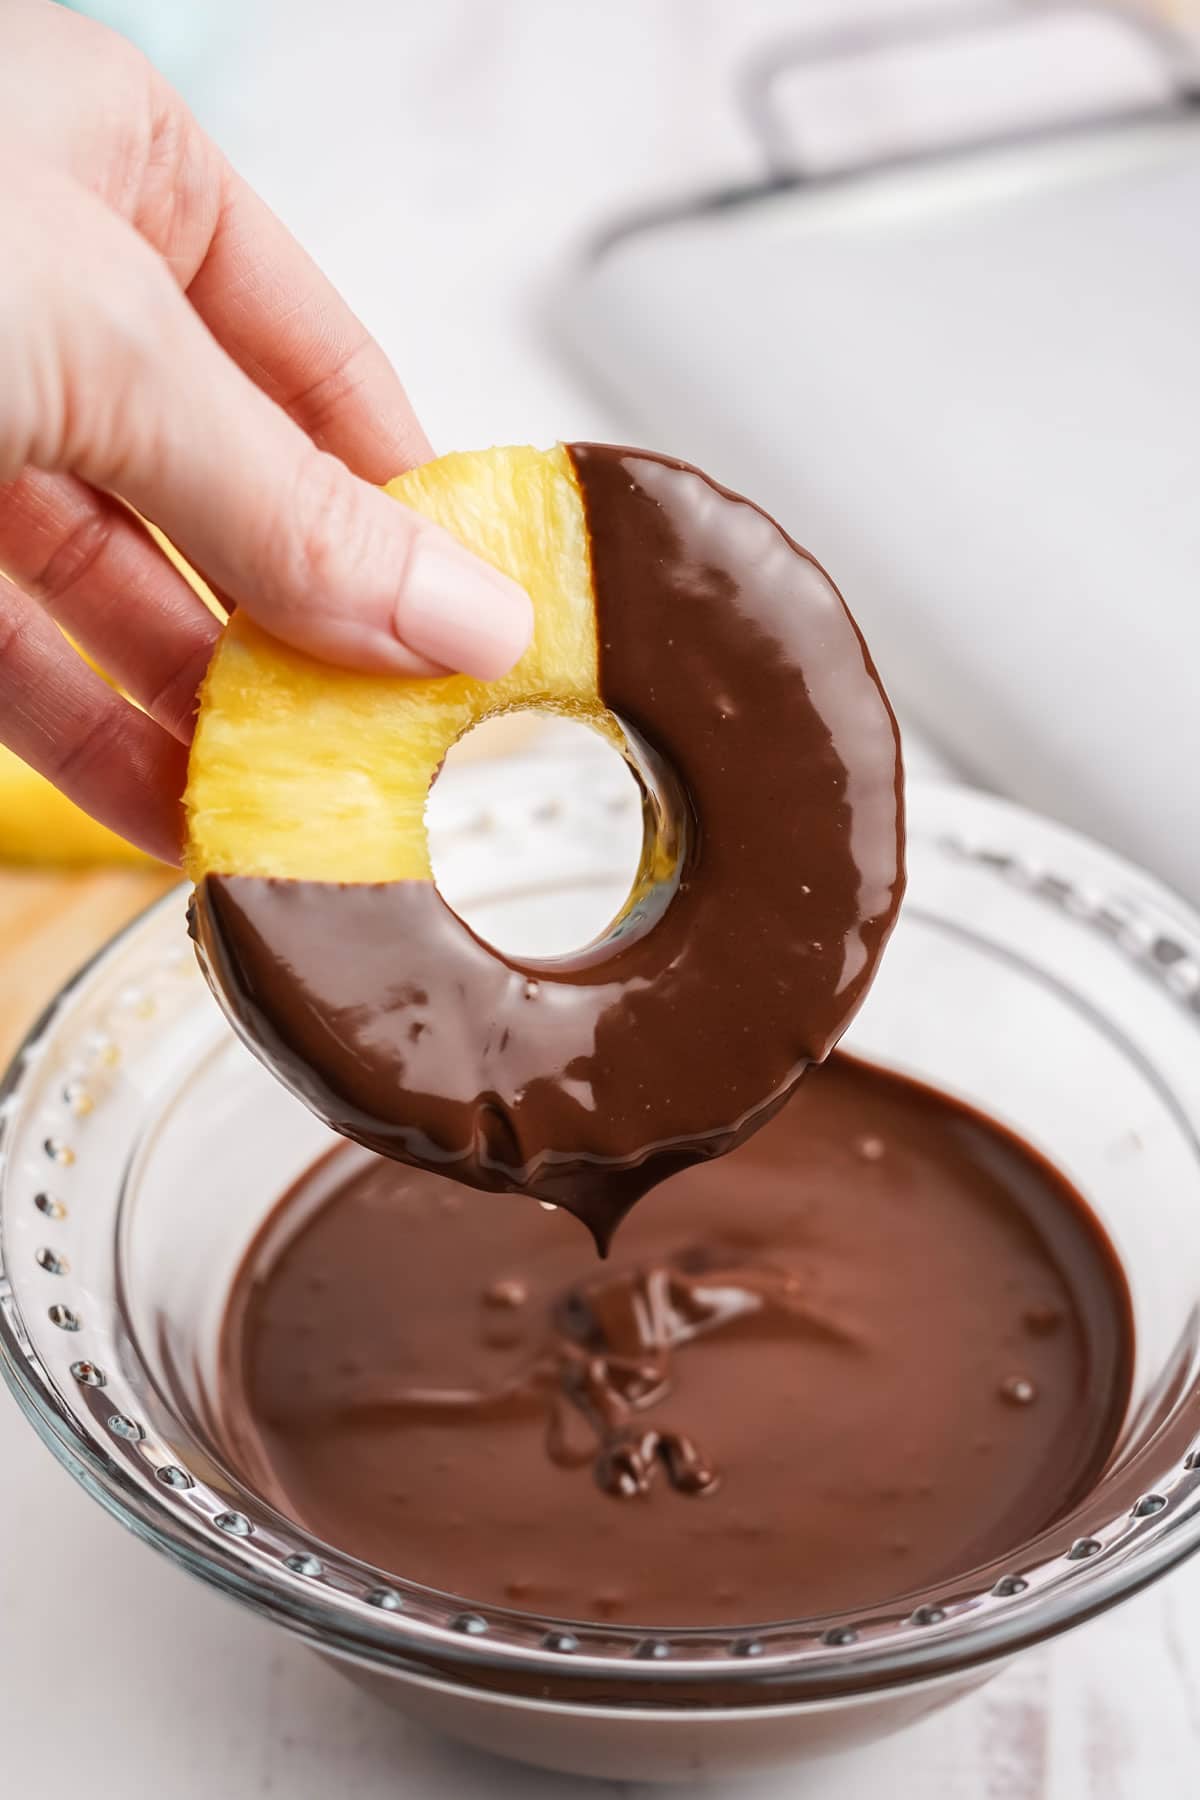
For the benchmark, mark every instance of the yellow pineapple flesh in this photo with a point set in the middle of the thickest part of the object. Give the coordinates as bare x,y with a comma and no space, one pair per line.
307,772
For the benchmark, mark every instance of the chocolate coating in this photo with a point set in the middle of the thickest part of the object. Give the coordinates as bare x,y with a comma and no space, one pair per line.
881,1344
727,650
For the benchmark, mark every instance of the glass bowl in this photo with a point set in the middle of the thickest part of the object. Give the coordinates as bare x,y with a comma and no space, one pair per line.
1031,973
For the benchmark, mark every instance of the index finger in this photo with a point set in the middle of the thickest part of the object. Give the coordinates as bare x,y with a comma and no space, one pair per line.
270,307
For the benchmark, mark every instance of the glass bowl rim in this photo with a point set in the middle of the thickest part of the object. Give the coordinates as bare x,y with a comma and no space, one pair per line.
343,1607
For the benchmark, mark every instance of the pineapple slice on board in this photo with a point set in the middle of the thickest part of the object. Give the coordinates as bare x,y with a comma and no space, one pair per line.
41,827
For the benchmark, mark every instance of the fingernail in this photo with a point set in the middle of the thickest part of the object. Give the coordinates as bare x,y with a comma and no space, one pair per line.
460,612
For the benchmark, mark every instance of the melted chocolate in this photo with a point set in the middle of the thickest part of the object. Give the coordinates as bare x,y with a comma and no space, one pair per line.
727,651
881,1344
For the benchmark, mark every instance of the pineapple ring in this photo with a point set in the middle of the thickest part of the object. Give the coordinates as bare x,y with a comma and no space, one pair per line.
680,620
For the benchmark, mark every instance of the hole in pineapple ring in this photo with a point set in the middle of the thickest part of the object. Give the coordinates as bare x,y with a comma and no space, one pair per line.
574,844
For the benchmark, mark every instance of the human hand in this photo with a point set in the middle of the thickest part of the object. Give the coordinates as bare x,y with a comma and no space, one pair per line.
165,345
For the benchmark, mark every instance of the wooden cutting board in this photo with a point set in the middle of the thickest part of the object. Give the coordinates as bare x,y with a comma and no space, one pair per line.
51,921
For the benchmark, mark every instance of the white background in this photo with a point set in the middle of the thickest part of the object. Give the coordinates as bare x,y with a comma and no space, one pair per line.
442,159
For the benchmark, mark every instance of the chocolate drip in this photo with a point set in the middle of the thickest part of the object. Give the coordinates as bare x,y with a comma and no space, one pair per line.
727,651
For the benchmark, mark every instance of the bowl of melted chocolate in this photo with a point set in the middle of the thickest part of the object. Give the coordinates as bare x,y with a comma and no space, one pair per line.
906,1382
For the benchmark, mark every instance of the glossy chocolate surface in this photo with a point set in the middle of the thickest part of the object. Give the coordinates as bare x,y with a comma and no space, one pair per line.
879,1345
726,650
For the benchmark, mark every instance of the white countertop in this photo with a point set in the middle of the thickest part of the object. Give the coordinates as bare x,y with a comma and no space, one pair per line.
441,159
121,1678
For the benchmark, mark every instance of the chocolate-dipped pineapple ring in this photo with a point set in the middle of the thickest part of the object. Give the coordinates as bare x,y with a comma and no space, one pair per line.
666,603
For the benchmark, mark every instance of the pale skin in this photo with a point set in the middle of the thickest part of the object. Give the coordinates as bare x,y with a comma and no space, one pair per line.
166,346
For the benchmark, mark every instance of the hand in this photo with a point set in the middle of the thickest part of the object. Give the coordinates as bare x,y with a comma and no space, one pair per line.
165,345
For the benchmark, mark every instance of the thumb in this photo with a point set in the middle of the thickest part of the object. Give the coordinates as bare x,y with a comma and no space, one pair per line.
155,411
